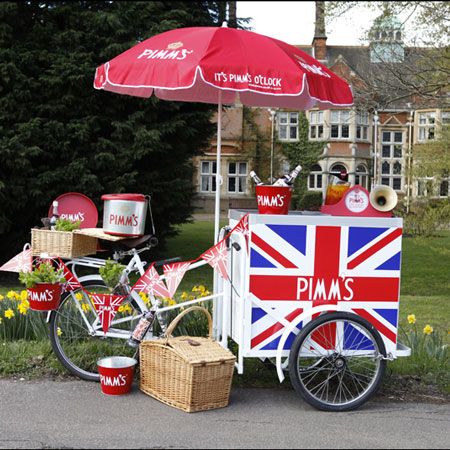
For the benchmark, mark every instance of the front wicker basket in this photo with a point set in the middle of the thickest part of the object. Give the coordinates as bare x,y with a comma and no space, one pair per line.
62,243
188,373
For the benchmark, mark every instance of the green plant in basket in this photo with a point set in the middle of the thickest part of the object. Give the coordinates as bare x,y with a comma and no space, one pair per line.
44,273
111,273
67,225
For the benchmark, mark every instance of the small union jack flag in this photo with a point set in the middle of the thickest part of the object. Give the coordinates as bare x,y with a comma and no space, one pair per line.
72,283
23,262
242,227
174,273
217,258
294,268
151,283
106,306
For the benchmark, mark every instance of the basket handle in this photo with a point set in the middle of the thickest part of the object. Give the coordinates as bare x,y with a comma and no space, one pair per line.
175,321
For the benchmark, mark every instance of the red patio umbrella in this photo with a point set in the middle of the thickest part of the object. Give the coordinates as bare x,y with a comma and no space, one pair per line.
218,64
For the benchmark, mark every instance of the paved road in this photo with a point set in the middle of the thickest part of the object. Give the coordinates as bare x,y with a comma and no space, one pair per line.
75,414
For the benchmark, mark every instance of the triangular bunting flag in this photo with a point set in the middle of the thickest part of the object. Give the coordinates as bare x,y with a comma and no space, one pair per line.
151,283
217,257
72,283
174,273
106,306
23,262
242,227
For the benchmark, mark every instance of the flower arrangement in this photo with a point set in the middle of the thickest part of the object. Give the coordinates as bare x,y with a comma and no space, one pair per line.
111,273
43,273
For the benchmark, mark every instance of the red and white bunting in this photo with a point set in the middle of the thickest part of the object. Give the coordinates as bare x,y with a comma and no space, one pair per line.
151,283
72,283
242,227
106,306
23,262
217,258
174,273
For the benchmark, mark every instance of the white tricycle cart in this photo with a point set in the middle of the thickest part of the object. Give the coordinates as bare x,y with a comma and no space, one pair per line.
318,295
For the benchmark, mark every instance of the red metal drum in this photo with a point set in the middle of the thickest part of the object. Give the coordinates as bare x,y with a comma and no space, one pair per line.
273,199
124,214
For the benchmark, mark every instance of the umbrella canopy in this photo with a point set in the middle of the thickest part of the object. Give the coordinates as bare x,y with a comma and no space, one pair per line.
218,65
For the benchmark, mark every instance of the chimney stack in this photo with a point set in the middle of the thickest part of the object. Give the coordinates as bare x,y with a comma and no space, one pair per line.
319,42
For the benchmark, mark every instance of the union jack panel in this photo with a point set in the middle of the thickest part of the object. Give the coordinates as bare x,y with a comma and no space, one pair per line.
294,267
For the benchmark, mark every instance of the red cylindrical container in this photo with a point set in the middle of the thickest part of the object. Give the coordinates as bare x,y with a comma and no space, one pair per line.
116,374
124,214
273,199
44,296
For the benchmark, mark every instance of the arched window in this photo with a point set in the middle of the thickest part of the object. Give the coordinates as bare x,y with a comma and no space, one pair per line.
338,168
315,178
398,36
361,176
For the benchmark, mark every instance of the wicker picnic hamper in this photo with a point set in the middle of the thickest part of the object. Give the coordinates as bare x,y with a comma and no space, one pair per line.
64,244
189,373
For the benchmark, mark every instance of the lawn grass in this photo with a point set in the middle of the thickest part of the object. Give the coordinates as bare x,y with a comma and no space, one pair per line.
425,292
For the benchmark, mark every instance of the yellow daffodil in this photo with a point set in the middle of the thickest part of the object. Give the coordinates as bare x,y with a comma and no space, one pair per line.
58,331
23,295
145,298
128,308
85,307
171,302
428,329
411,318
9,313
22,308
79,296
184,296
121,308
1,297
12,295
1,320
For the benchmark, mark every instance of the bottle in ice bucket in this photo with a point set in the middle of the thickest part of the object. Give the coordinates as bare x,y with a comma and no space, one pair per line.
55,216
337,186
255,178
288,180
141,328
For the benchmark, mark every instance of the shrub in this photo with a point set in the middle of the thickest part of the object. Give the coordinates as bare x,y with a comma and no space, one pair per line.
310,201
427,218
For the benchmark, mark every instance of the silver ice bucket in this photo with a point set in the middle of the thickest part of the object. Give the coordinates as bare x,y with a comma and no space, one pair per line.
124,214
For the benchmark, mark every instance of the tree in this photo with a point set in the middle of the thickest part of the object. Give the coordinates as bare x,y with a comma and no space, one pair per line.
423,74
303,152
58,134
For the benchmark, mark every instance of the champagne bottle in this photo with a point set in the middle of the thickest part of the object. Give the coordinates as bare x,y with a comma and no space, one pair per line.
255,178
55,216
288,180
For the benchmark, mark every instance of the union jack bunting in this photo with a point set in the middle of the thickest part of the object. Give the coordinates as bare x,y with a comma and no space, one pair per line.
106,306
217,258
23,262
242,227
174,273
296,267
151,283
72,283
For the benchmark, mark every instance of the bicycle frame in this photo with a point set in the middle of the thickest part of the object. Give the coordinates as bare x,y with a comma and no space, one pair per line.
134,265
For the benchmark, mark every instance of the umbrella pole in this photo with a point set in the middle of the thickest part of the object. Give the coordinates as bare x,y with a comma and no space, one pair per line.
218,176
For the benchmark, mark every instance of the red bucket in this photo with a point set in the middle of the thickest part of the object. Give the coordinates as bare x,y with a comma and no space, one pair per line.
116,374
44,296
273,199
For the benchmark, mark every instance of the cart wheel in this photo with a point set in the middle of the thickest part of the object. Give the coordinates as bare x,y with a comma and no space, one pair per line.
335,362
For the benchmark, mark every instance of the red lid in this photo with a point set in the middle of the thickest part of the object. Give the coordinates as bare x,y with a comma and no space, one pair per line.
76,206
132,197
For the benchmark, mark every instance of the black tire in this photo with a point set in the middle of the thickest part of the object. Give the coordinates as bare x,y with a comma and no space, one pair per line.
326,378
74,347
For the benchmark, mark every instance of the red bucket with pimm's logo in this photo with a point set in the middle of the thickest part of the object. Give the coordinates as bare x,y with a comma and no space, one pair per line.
44,296
273,199
116,374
